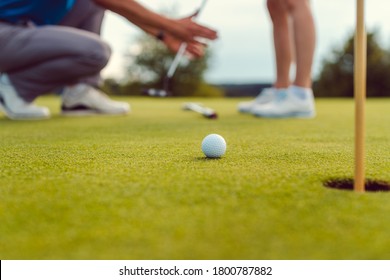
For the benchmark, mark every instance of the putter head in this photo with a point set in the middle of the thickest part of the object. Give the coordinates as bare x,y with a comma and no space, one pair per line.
165,92
155,92
209,113
212,115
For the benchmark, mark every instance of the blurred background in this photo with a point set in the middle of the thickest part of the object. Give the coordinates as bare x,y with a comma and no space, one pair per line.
241,62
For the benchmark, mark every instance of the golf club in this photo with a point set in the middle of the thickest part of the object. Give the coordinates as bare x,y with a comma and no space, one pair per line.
175,63
199,108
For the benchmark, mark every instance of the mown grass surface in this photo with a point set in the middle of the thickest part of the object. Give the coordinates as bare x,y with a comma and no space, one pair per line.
139,187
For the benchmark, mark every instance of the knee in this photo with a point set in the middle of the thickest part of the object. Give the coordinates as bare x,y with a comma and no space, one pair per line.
278,7
292,5
277,10
274,7
98,54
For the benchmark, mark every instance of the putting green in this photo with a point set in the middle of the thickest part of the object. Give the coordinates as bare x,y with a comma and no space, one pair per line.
139,187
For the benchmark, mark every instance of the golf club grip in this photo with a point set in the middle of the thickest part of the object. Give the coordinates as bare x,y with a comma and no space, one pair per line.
183,46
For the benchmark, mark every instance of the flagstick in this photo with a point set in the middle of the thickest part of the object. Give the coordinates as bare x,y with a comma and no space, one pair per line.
360,96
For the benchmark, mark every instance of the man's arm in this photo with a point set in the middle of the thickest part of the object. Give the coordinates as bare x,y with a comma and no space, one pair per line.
186,31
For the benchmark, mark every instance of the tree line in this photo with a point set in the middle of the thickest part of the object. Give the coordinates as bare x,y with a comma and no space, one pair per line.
147,68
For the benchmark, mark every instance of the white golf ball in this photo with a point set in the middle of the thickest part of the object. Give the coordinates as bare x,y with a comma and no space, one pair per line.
214,146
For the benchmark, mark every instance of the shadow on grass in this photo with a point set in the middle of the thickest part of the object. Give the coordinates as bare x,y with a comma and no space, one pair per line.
206,159
348,184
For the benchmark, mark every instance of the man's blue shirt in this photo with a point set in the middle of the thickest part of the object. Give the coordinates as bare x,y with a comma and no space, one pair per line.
41,12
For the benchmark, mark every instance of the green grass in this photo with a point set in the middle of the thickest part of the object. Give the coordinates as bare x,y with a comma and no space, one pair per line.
139,187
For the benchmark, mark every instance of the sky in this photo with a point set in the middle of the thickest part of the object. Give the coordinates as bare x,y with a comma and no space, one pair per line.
244,51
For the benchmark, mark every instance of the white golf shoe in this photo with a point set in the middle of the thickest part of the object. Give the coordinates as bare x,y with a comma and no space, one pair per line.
264,97
15,107
295,102
83,99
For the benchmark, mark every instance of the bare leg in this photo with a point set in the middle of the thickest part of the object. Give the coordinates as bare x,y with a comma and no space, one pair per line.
282,41
291,19
304,40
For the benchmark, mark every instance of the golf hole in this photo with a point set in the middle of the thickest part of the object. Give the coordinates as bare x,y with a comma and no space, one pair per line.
348,184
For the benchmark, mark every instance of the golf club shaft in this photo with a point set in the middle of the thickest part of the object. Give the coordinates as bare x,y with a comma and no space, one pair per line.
360,96
176,60
180,53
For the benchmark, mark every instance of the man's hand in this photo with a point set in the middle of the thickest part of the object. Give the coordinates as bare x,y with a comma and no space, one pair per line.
188,30
194,49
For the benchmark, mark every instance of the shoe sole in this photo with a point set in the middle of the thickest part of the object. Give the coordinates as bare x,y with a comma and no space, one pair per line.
299,115
85,113
244,111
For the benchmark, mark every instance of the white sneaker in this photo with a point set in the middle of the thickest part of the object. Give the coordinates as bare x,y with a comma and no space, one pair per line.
83,99
264,97
296,102
15,107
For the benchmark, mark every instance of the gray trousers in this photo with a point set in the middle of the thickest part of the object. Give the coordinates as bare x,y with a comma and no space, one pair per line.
44,59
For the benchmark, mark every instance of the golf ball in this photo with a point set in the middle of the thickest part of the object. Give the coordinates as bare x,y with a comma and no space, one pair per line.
214,146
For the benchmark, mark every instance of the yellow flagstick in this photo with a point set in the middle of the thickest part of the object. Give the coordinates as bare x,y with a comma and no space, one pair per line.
360,96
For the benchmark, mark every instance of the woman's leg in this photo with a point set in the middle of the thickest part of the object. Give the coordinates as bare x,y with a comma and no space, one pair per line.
282,41
304,40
